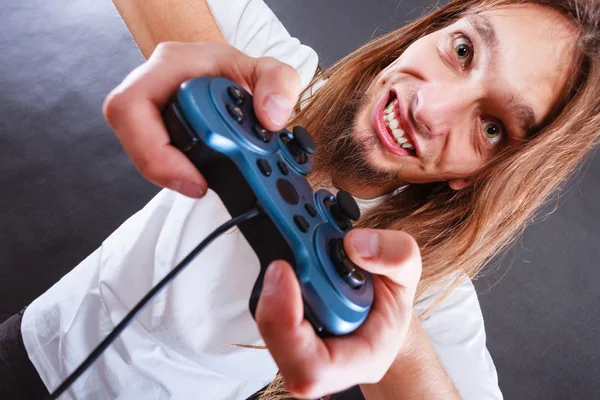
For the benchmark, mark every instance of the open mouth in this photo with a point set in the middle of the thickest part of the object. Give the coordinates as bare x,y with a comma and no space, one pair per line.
391,118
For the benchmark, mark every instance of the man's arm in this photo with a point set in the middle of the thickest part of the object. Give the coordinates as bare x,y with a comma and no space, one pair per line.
415,374
248,25
154,21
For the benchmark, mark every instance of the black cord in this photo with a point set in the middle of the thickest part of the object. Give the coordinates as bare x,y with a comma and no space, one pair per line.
142,303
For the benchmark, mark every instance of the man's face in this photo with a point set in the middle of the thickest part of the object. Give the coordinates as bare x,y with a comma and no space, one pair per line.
455,97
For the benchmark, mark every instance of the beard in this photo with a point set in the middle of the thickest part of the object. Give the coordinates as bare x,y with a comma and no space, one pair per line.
342,160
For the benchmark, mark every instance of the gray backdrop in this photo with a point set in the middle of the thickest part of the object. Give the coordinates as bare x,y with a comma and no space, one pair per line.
66,183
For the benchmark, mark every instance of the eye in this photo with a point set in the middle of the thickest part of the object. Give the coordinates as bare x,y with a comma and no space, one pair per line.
493,131
463,50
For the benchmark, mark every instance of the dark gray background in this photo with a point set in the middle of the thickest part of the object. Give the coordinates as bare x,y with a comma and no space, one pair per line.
66,184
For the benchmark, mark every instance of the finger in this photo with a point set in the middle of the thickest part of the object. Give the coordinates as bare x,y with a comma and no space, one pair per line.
292,341
312,367
391,253
394,259
275,85
139,127
276,92
132,109
365,355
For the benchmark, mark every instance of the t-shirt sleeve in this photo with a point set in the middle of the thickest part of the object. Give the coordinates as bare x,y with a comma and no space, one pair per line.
251,27
457,332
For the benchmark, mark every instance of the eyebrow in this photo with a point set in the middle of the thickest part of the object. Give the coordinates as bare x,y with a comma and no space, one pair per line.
485,30
522,111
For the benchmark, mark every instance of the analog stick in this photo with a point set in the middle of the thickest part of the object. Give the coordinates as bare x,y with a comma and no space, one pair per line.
304,141
347,205
300,144
343,208
350,273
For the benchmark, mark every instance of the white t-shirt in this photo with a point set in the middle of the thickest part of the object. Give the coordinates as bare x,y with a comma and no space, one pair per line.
179,347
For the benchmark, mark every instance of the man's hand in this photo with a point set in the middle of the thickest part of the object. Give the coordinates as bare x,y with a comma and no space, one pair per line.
312,367
134,107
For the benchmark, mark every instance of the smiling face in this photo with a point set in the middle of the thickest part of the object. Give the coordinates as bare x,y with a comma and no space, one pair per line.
455,97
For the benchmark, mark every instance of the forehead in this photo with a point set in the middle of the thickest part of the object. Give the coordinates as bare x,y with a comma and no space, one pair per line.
533,54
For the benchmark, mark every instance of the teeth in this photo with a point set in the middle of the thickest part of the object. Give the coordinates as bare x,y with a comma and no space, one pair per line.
390,108
389,115
398,133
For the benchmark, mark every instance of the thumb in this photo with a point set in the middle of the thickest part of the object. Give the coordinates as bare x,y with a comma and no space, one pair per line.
276,90
394,254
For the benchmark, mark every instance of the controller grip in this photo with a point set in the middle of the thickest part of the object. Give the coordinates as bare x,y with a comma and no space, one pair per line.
225,178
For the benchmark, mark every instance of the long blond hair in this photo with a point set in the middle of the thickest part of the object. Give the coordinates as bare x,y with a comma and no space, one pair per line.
459,231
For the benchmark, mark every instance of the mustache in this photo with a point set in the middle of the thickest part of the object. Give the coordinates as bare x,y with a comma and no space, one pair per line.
341,157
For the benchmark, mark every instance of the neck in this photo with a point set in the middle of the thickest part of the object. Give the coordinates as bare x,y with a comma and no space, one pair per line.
362,191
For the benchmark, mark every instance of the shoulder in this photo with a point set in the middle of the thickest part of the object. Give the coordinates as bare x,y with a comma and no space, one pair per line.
457,332
251,27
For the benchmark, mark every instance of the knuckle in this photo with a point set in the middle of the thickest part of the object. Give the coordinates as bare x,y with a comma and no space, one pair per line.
291,74
168,51
171,48
412,258
114,105
410,245
164,48
144,162
271,63
408,240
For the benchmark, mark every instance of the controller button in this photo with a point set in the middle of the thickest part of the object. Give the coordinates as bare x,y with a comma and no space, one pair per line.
304,140
282,167
264,167
236,95
288,191
347,205
353,275
311,209
235,112
301,222
261,133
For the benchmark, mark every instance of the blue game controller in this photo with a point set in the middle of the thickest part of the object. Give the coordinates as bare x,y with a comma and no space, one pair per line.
212,121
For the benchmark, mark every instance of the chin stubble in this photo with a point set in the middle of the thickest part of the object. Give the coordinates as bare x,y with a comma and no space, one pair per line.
342,158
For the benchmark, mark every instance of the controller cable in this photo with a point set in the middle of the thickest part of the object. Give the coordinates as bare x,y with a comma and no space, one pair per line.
142,303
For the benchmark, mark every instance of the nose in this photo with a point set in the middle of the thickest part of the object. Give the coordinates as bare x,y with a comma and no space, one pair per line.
441,108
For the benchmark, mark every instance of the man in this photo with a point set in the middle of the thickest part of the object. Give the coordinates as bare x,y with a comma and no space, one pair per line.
464,109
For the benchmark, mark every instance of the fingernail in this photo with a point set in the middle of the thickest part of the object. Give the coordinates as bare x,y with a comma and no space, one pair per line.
271,282
365,242
278,108
187,188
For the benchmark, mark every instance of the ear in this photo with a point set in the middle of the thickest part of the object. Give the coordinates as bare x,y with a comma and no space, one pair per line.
458,184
